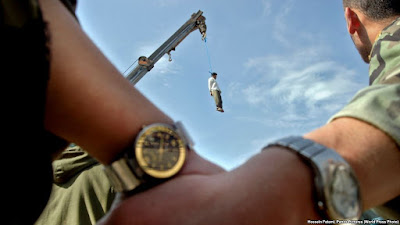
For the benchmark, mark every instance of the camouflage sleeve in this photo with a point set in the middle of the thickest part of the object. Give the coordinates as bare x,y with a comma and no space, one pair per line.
385,56
378,105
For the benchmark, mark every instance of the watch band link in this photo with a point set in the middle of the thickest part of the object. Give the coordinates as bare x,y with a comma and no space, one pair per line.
323,160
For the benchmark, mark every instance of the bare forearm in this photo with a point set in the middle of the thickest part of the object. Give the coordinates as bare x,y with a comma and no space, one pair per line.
88,101
278,183
372,154
274,187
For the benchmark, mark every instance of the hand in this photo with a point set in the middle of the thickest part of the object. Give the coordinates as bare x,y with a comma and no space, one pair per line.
211,93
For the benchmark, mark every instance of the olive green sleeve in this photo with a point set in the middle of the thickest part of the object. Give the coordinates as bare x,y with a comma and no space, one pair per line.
378,105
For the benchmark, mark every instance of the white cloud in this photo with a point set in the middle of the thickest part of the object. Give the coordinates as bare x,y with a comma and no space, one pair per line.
267,7
299,87
255,94
280,29
296,91
314,82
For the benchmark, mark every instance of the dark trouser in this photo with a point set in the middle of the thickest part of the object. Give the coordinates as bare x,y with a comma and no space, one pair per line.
217,98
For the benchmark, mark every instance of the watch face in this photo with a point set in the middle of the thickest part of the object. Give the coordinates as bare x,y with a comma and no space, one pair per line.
344,193
160,151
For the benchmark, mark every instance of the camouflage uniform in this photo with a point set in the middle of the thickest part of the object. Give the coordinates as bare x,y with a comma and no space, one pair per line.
379,104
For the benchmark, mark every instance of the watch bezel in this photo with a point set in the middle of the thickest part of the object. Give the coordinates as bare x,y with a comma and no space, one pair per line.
138,149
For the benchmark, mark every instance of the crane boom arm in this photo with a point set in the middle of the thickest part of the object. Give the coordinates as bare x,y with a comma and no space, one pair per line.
197,21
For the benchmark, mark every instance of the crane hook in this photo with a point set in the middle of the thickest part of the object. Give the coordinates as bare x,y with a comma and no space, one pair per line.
169,56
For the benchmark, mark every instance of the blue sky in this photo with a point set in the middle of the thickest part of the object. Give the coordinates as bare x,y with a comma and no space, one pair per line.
284,66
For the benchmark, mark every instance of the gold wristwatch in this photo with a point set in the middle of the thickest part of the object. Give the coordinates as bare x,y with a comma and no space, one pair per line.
158,153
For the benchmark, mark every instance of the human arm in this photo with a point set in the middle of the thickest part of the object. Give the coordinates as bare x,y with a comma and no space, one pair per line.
270,186
210,83
273,187
373,155
88,101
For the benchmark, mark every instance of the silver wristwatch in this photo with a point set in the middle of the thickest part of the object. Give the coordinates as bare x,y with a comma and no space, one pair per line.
336,186
158,153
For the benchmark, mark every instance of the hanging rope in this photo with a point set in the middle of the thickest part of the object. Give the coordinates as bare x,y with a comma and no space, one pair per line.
208,55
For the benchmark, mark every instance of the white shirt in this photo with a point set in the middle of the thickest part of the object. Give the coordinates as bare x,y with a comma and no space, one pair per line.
213,85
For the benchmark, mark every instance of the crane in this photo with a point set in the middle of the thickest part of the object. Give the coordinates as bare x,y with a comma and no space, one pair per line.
196,21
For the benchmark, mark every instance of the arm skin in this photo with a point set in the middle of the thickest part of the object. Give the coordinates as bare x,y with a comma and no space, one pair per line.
273,187
99,109
373,155
101,112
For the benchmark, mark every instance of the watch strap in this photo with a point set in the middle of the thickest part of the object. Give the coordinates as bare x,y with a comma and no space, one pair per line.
322,160
121,176
309,150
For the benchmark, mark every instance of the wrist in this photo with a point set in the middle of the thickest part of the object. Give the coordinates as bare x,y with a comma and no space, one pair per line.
158,153
280,180
336,188
370,152
296,185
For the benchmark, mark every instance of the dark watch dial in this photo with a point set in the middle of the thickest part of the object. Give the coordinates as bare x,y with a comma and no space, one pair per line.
160,151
